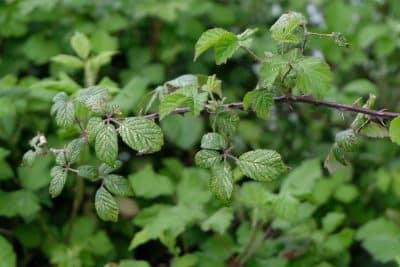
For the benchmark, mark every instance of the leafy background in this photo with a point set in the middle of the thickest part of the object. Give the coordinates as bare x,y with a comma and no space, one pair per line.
351,218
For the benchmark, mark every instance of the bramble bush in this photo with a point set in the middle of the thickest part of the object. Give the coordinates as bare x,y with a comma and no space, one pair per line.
191,173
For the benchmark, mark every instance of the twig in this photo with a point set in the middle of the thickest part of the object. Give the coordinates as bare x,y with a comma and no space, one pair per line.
381,114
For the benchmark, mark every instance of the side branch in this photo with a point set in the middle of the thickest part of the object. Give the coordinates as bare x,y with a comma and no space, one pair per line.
378,114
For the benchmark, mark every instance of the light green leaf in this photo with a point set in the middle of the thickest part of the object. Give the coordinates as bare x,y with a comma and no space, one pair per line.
332,220
95,98
260,100
261,164
374,130
285,27
58,179
81,45
142,135
286,207
213,141
89,172
272,69
29,158
196,101
148,184
338,243
74,149
219,221
225,48
394,130
93,126
206,158
313,76
68,61
345,141
221,182
118,185
63,109
209,39
106,144
106,206
8,258
253,194
102,58
170,103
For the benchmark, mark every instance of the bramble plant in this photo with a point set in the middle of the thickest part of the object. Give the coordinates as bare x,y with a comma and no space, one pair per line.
288,77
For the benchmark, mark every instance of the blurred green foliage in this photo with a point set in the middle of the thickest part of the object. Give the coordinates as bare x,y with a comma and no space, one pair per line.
350,218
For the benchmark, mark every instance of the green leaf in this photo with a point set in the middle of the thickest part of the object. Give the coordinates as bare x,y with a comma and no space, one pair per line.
284,28
63,109
207,158
338,243
95,98
183,131
313,76
301,181
374,130
58,179
8,258
253,194
29,158
272,69
73,150
394,130
81,45
211,38
332,220
106,206
60,159
133,263
102,58
221,182
224,49
93,126
25,204
88,172
213,141
261,164
142,135
196,101
286,207
345,141
68,61
106,144
260,100
118,185
225,122
219,221
107,169
148,184
170,103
